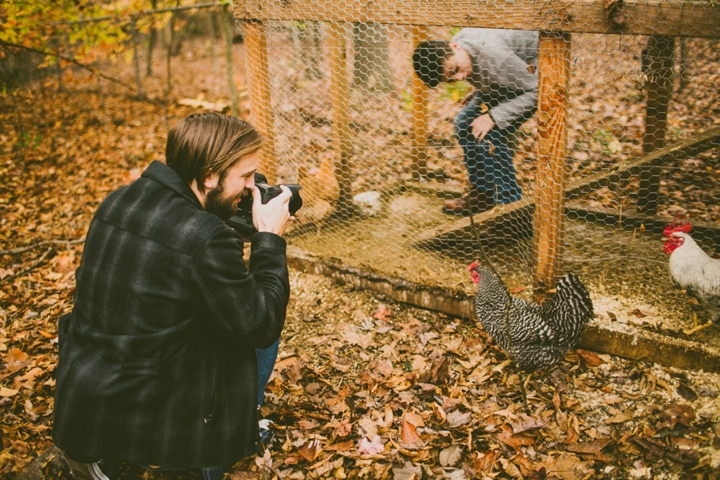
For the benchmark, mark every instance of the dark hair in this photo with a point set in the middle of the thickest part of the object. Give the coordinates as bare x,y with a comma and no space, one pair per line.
429,61
205,143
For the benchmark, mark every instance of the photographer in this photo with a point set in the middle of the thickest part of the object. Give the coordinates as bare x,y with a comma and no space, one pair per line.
157,358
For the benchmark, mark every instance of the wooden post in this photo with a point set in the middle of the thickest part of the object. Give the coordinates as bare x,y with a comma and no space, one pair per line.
340,89
133,27
256,61
420,114
227,21
554,73
659,71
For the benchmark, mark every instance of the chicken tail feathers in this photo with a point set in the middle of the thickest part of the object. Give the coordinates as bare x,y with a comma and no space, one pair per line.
571,308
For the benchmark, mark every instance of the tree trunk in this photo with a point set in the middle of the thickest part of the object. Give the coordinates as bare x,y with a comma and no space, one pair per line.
372,60
151,43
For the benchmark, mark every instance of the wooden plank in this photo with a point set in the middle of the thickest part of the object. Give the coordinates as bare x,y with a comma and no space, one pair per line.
256,61
503,222
339,89
504,214
622,170
703,232
642,17
659,71
639,345
554,68
420,131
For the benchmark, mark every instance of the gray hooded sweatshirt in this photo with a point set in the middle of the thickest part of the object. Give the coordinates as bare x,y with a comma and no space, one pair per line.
500,70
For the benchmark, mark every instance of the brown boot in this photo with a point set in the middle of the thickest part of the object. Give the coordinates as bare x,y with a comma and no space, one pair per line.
475,201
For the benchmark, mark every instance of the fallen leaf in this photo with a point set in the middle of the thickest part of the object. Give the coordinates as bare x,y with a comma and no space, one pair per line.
512,440
525,423
620,418
409,471
450,456
371,447
310,450
591,358
457,418
7,392
409,436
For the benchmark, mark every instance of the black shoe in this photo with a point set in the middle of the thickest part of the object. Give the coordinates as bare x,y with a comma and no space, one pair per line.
474,202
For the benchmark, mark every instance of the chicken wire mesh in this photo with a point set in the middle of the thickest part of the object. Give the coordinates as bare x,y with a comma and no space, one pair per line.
381,156
378,152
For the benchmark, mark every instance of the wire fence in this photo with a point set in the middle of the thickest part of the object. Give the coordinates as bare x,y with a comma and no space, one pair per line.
624,141
382,157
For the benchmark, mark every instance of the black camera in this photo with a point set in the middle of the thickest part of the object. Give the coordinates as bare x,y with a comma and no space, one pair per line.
242,221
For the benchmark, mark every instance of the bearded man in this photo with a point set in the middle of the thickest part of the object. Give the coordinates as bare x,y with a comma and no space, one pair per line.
158,363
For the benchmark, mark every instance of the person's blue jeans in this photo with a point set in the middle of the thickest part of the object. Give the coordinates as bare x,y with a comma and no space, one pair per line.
489,163
266,363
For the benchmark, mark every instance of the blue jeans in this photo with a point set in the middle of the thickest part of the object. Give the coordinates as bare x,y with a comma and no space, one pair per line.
266,363
489,163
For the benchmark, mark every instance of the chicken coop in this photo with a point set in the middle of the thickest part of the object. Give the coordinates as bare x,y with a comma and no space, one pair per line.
622,142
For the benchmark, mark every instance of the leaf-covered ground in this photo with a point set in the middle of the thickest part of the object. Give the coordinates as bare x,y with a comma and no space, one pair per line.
364,387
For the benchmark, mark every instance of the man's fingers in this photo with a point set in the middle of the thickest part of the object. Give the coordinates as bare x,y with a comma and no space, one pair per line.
256,194
286,193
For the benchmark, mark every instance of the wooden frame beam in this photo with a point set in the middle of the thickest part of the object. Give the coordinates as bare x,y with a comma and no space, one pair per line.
641,344
622,170
502,214
552,169
642,17
339,88
703,232
258,71
420,132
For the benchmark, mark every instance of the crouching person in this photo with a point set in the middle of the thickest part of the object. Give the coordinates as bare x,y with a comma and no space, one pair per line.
158,363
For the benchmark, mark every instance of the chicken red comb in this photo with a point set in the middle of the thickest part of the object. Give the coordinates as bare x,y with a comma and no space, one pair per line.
675,227
472,266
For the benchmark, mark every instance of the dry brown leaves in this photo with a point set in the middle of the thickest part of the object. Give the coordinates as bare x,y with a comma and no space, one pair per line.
364,388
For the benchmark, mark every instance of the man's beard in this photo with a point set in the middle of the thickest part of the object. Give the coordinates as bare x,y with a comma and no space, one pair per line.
218,203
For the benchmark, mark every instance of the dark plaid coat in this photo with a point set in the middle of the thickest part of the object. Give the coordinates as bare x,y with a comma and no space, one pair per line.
157,361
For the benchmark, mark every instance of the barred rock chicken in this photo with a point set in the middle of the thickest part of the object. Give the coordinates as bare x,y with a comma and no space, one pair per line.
541,335
692,269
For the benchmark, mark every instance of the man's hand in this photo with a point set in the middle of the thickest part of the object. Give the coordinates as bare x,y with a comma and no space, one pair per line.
274,216
481,126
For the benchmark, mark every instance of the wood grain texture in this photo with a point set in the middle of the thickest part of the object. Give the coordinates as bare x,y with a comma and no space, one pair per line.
554,67
655,17
256,61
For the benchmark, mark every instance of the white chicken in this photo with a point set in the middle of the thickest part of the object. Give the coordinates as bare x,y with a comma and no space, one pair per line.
692,269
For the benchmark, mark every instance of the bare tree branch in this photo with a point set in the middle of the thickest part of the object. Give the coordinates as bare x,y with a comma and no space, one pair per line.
15,251
39,262
71,60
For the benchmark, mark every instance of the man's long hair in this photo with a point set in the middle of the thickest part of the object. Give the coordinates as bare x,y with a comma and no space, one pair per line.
429,61
205,143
